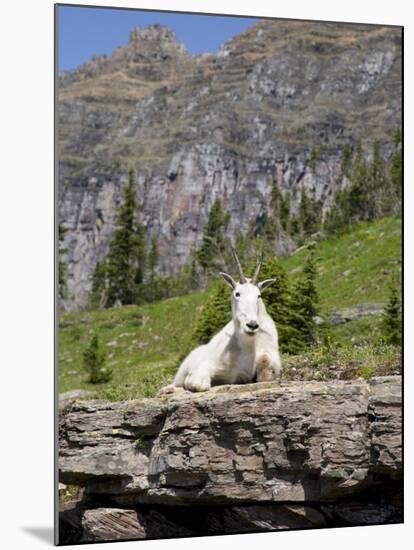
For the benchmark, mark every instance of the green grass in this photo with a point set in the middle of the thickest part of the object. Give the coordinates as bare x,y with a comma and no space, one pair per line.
359,332
343,362
143,343
356,267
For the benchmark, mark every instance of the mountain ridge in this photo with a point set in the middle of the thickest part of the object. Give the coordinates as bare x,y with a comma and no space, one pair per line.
225,125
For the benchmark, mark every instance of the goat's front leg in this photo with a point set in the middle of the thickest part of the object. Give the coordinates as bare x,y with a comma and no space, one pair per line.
198,378
267,369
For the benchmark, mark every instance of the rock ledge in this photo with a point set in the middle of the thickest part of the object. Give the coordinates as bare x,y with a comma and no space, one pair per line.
259,457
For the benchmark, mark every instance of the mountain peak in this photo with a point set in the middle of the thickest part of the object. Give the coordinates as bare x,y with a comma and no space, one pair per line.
153,39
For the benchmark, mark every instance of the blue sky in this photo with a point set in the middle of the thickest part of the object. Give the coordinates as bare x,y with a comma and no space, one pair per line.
84,32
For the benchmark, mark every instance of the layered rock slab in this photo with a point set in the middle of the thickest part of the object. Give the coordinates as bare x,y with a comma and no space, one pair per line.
299,441
246,458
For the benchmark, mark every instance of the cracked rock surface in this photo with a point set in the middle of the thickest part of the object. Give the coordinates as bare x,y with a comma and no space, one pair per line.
235,459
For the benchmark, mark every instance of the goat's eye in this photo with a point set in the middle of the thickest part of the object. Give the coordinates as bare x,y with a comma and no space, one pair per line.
237,294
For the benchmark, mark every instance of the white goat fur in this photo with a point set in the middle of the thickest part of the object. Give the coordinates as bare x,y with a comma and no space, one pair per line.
238,353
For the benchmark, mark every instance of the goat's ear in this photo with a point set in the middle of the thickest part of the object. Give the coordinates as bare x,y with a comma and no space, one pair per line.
266,283
228,279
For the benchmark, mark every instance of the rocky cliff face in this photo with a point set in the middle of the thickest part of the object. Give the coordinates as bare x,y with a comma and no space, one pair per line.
235,459
200,127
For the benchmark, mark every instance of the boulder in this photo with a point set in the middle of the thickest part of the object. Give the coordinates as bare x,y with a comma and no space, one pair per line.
67,398
112,524
353,313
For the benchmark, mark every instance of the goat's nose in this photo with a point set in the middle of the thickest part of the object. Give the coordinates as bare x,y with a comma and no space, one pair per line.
253,325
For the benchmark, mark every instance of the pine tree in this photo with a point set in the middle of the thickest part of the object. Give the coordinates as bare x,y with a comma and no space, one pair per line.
98,292
62,266
243,242
313,158
358,191
316,153
377,185
392,320
214,243
277,300
126,257
194,276
140,253
296,229
272,218
215,314
346,160
395,168
93,362
285,211
276,196
374,191
310,214
153,258
304,307
377,166
338,218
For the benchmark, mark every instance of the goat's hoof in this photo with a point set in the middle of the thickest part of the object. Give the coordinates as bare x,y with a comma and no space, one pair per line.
197,383
166,390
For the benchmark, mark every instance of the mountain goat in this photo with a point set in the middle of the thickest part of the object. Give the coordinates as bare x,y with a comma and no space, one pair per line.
246,349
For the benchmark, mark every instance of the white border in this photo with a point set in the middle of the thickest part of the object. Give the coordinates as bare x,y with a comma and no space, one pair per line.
26,289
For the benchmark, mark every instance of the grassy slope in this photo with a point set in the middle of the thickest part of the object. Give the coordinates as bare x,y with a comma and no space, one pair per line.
357,267
136,349
144,355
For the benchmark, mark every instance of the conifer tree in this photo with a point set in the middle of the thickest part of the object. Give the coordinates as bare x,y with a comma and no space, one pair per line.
346,160
153,258
378,166
310,214
358,190
338,218
277,300
214,243
395,167
126,257
304,307
272,218
313,158
392,320
377,185
285,211
276,196
97,295
194,276
304,208
215,314
243,242
93,362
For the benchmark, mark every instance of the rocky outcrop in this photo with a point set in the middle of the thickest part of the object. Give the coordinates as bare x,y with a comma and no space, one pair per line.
278,101
235,459
353,313
65,399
